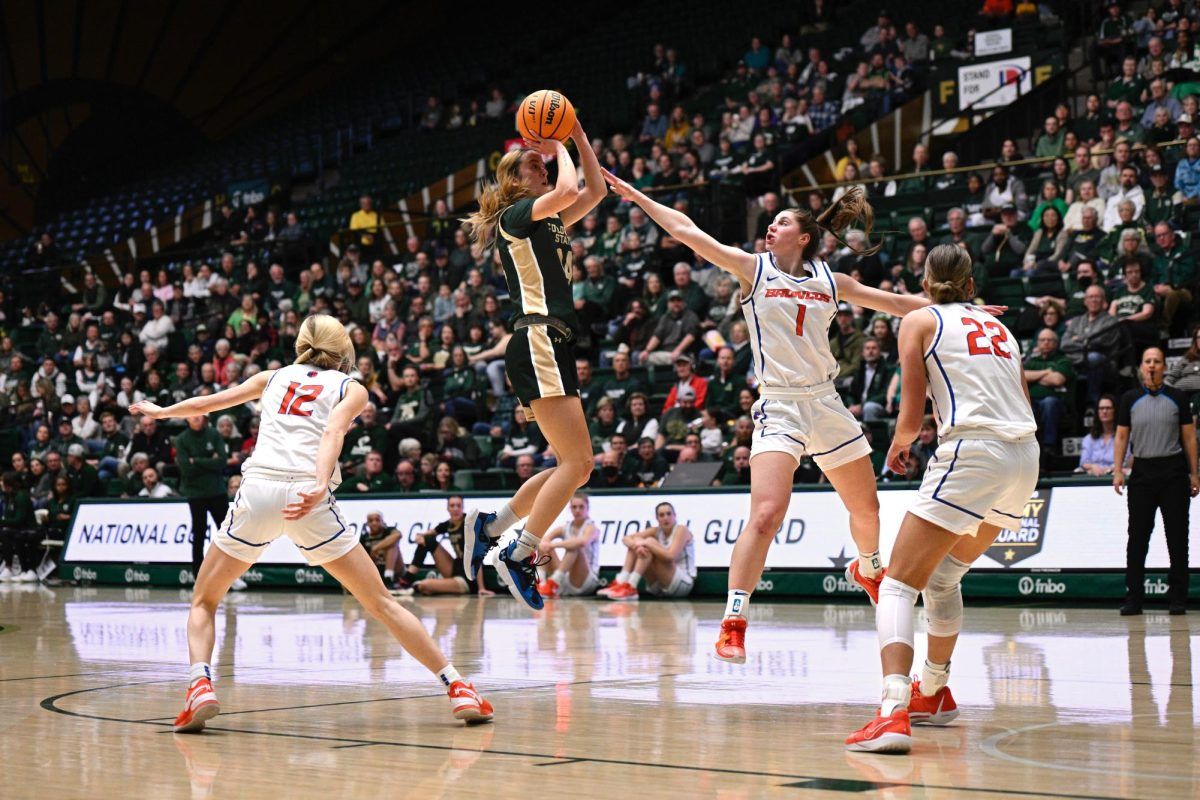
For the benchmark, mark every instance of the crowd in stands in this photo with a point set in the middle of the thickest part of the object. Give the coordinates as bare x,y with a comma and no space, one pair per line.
1097,236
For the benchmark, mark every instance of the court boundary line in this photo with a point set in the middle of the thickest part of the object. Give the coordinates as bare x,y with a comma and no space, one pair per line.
51,704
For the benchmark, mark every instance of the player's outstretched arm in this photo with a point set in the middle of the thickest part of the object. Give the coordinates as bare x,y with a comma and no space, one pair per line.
738,262
916,332
349,407
897,305
244,392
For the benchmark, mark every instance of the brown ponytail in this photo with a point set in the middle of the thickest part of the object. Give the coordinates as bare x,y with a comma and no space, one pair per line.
847,209
948,274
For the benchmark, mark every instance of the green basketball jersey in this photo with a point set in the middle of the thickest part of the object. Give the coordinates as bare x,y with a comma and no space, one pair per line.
537,262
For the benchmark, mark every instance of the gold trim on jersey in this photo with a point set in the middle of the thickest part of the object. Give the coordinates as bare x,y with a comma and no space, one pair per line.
545,367
529,273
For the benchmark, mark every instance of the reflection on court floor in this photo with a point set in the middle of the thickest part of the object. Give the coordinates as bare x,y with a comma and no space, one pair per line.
592,698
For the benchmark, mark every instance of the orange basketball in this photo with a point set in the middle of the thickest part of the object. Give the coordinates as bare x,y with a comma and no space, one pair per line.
546,114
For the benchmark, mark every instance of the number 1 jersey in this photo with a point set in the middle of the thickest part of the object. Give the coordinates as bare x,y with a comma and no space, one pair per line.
976,378
296,406
789,317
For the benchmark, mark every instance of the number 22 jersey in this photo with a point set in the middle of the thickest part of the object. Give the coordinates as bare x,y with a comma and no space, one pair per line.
976,378
296,405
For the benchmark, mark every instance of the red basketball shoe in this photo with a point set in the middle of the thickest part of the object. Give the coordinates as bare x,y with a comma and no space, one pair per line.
869,585
468,704
623,591
890,734
937,709
200,706
548,589
731,644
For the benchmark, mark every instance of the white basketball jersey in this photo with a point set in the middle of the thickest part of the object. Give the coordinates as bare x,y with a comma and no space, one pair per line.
789,319
296,406
591,551
976,377
687,556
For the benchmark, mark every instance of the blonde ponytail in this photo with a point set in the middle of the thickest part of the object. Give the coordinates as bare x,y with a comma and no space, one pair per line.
948,274
497,196
323,342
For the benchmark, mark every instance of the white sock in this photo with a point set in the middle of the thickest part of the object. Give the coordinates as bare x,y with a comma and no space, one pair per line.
199,670
634,578
622,577
505,519
559,577
897,689
448,674
737,604
869,564
526,544
389,574
934,677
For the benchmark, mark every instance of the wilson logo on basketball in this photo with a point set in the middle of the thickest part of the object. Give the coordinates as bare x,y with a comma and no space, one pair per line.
552,110
1012,547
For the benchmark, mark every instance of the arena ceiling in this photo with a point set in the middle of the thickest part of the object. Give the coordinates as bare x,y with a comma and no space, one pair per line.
183,71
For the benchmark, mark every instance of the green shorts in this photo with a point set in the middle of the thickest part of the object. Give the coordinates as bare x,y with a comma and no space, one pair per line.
540,362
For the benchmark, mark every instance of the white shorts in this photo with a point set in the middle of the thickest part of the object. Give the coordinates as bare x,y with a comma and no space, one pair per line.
970,481
680,585
255,519
590,584
818,426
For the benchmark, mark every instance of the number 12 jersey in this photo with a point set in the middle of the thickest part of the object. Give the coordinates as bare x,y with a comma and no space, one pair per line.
296,405
976,378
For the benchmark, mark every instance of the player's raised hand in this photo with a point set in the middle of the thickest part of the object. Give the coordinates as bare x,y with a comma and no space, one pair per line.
898,457
306,502
145,408
548,148
995,311
619,187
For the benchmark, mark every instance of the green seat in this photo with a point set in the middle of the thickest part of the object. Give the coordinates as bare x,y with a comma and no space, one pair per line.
1042,285
464,479
1006,292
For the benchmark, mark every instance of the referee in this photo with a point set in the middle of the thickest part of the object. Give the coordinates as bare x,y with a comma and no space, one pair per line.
1156,422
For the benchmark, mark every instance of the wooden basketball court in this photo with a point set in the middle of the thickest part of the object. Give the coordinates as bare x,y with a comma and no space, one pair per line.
593,700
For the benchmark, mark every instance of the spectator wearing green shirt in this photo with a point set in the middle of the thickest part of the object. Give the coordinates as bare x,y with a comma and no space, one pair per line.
724,385
1050,143
370,479
1133,304
1048,373
85,481
619,386
1160,200
17,539
62,505
1127,88
598,291
200,454
411,413
363,437
462,390
1174,272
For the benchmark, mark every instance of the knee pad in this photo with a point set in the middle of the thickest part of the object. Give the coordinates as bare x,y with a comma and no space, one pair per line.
894,613
943,597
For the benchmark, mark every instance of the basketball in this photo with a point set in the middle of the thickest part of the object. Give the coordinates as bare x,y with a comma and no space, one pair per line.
546,114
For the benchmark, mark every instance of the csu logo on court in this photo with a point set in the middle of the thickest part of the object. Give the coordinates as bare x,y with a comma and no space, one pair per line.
1013,547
